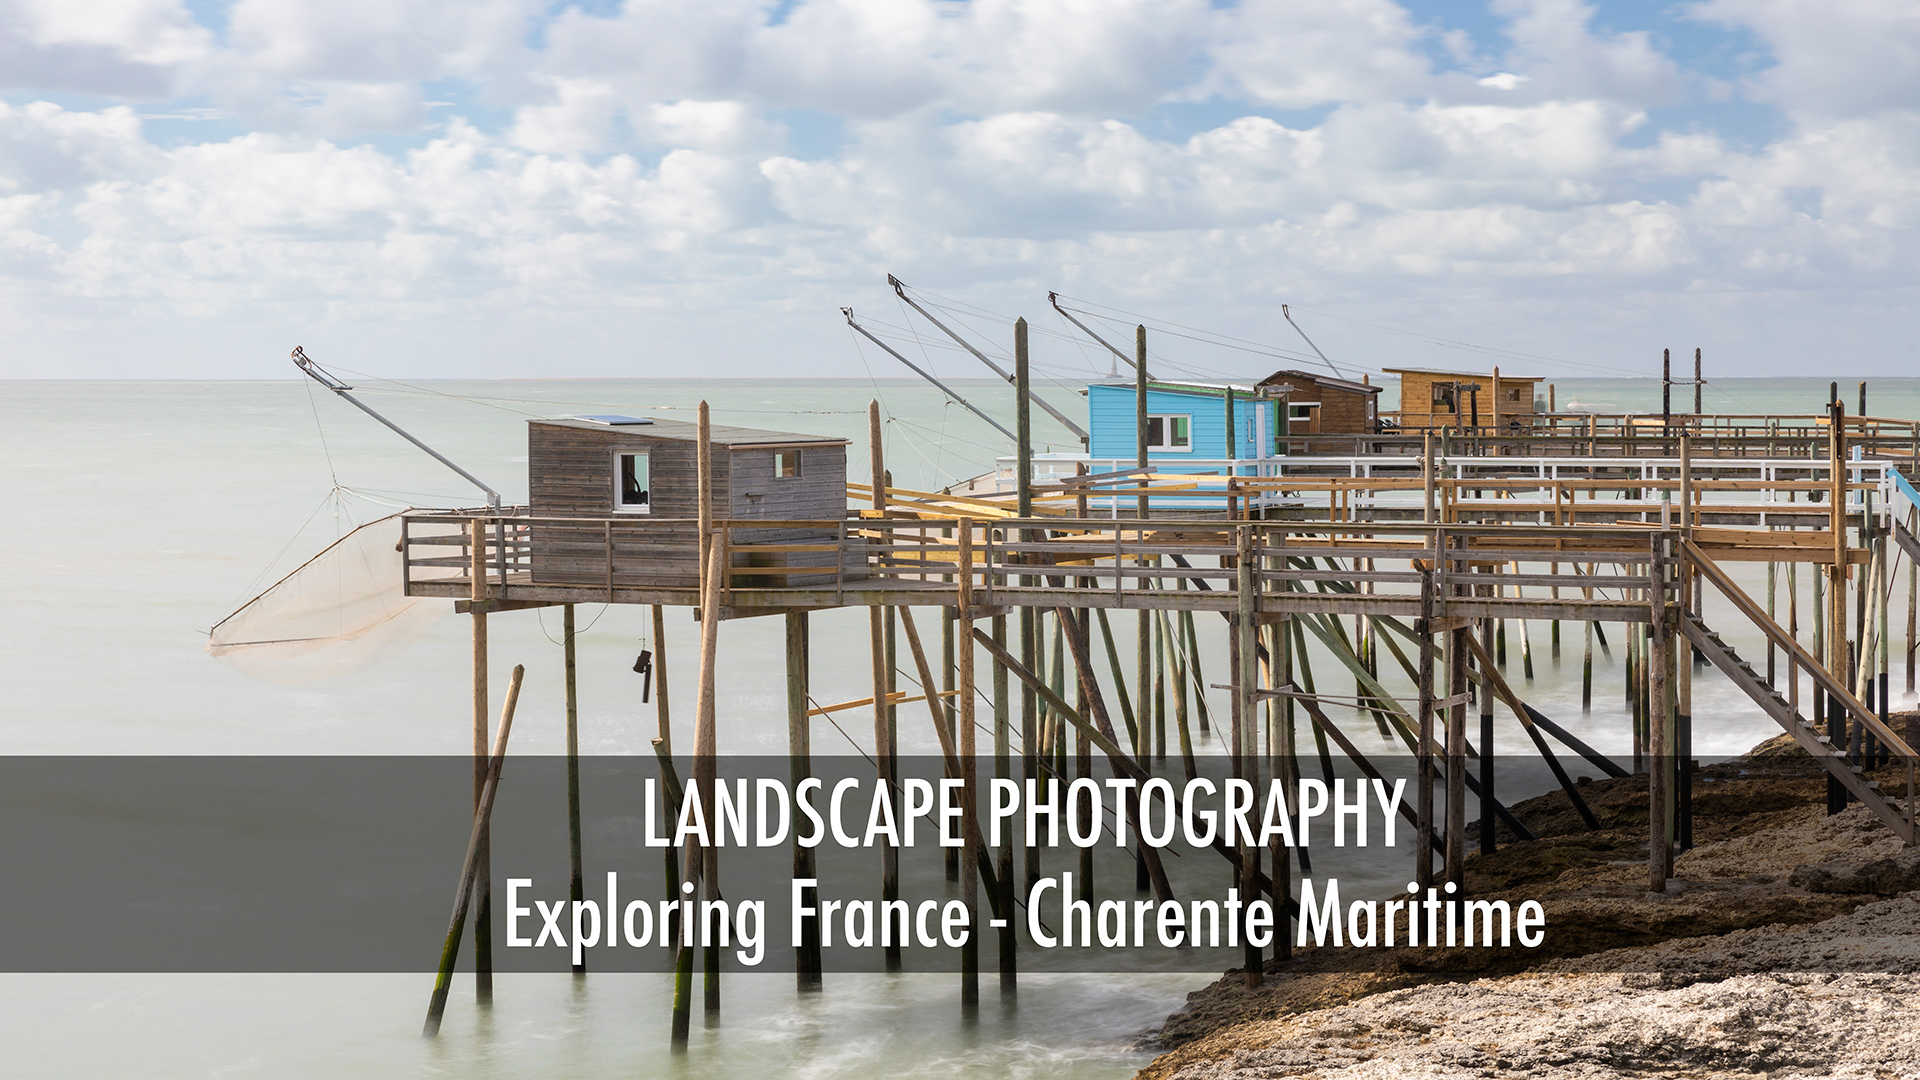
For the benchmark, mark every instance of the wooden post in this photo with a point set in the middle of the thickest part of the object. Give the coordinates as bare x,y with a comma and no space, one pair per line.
661,715
1498,430
1682,737
1838,648
576,881
947,662
1837,572
1003,770
1659,749
1168,630
1427,477
1246,760
703,470
1697,383
1666,392
1029,631
482,882
1586,669
880,652
1143,646
1456,750
1488,824
808,974
706,752
1913,608
1423,749
470,866
969,796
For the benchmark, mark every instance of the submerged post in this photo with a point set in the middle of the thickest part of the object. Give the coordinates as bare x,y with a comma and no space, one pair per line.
706,757
576,881
806,967
1029,632
470,866
483,893
969,795
879,619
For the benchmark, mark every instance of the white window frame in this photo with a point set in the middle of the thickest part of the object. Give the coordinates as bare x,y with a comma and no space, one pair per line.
618,475
1306,413
1166,431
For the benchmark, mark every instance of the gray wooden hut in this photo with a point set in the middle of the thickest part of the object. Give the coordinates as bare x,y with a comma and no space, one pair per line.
630,491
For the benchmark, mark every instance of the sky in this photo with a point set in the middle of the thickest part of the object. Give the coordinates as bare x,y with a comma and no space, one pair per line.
531,188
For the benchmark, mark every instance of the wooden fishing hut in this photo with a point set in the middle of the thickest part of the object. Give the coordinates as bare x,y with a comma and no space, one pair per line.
594,480
1318,404
1466,402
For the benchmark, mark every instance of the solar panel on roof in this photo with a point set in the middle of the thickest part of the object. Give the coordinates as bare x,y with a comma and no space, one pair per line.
614,419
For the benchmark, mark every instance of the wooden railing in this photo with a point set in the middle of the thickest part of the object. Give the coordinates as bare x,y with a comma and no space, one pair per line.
1036,561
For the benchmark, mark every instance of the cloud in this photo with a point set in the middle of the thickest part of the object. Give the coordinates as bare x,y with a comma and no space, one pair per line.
488,163
1838,59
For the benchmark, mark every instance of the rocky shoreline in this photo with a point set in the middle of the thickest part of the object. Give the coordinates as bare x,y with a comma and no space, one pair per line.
1785,946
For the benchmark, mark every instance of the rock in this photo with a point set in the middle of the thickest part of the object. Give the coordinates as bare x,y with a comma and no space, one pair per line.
1879,877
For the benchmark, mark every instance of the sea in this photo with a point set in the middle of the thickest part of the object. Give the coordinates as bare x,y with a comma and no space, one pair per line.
144,512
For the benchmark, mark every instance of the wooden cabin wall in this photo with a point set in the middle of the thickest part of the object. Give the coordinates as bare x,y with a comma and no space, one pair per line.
819,493
1344,411
570,473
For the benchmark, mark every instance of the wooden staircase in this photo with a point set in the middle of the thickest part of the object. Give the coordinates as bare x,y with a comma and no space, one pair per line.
1810,734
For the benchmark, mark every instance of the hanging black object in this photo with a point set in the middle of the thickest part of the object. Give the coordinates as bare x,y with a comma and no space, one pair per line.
644,665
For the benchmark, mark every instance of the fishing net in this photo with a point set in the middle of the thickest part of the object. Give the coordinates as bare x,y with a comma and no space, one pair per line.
333,613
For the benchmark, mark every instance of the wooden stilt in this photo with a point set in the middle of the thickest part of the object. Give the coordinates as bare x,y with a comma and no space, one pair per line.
706,758
1029,631
1913,615
948,662
1199,678
1586,669
470,866
880,651
1082,761
1003,770
1488,827
1456,790
1246,758
482,882
1660,719
808,974
1167,628
1159,689
1119,677
969,796
1423,750
576,879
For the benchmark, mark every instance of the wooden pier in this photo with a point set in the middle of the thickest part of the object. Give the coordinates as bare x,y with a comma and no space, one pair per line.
1422,564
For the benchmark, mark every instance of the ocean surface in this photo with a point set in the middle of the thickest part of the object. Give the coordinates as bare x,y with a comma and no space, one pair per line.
143,512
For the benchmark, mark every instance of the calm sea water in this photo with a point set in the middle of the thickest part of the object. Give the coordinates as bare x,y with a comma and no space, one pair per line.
143,512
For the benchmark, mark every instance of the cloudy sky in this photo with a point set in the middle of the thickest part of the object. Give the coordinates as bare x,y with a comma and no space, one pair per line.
663,187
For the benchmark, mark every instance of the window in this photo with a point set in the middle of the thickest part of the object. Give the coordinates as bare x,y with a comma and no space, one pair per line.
1443,399
1301,415
1513,395
631,484
786,463
1170,433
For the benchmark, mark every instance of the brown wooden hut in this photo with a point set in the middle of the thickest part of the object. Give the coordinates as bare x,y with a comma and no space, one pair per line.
1446,399
1322,404
599,471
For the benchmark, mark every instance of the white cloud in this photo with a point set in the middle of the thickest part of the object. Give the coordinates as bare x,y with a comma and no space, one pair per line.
1168,153
1841,58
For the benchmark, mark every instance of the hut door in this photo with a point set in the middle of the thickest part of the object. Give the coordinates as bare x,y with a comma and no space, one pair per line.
631,484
